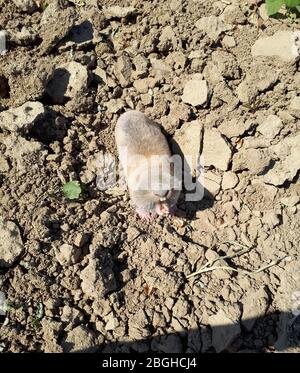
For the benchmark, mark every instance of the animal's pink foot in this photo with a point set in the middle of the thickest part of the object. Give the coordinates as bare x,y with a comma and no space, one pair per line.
145,215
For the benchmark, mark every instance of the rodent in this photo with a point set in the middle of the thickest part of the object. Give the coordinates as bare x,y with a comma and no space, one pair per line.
153,183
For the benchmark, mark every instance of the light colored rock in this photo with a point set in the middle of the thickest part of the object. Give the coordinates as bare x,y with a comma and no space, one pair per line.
24,37
160,68
4,165
263,12
122,70
226,64
23,153
80,339
118,11
216,150
188,138
22,118
229,180
233,15
68,81
295,106
115,105
283,44
229,41
67,254
195,91
254,160
141,64
271,218
28,6
288,165
166,282
235,127
56,23
81,239
290,201
255,304
143,85
11,245
97,277
211,183
259,79
71,315
225,328
213,26
270,127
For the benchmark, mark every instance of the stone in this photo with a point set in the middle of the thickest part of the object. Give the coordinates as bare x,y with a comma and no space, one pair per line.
270,127
283,44
259,79
28,6
167,39
166,282
195,91
295,106
71,315
271,218
11,244
216,150
122,70
263,12
141,64
160,68
55,24
235,127
229,41
23,153
288,165
138,325
22,118
254,160
213,26
143,85
233,15
80,339
255,304
81,239
115,105
118,12
225,328
67,254
226,64
211,183
4,165
97,277
24,37
290,201
68,81
187,142
229,180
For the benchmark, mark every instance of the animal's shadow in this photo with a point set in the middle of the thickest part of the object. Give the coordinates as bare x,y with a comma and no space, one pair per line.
194,196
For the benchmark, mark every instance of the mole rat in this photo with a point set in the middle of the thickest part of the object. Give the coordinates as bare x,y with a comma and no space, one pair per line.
151,175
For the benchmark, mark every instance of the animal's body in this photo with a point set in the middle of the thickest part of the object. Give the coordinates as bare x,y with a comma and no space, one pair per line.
146,160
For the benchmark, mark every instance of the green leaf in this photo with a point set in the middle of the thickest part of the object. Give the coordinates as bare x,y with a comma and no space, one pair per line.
72,190
298,8
292,3
273,6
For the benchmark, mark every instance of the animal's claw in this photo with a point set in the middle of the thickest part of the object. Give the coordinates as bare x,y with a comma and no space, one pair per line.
145,216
